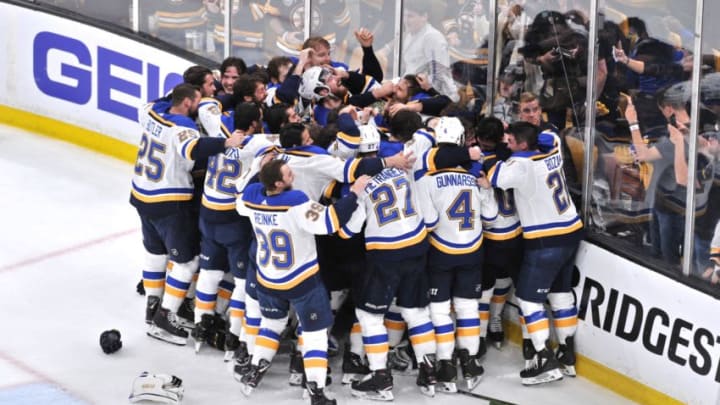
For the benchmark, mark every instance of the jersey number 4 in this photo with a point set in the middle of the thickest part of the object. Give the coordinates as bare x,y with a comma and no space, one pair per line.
461,210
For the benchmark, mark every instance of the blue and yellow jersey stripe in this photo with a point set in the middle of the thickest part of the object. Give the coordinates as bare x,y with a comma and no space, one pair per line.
345,233
505,233
552,229
291,280
218,204
349,141
369,83
451,248
264,207
376,344
159,118
349,170
161,195
331,220
411,238
430,137
188,147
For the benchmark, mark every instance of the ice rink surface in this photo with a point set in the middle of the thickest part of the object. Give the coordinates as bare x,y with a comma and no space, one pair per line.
70,256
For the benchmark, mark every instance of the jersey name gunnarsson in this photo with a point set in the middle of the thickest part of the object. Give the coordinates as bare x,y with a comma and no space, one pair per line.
454,209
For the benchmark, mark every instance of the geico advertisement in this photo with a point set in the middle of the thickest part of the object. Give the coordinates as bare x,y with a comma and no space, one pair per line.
648,327
80,74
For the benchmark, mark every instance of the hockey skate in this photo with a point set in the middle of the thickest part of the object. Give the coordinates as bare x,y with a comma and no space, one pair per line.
218,333
297,369
482,348
377,386
232,343
447,377
426,378
399,361
165,327
317,395
252,379
566,356
201,331
496,335
528,351
151,307
186,314
242,361
544,368
353,367
471,369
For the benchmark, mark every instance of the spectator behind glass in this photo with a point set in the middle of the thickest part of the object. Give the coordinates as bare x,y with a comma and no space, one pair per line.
658,68
559,50
287,25
181,23
669,176
425,50
529,110
247,37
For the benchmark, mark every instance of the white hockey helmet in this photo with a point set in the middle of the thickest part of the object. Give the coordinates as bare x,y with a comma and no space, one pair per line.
450,130
313,82
369,139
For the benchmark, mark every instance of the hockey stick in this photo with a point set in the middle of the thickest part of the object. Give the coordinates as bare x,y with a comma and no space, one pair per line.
493,401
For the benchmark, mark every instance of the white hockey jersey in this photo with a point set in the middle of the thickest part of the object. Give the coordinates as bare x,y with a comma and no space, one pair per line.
454,209
163,165
394,227
506,224
208,116
223,171
315,168
422,141
542,199
285,225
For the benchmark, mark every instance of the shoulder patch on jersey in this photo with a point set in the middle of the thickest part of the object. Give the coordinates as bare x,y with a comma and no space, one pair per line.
185,134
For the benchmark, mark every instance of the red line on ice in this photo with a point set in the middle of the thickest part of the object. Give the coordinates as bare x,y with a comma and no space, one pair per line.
61,252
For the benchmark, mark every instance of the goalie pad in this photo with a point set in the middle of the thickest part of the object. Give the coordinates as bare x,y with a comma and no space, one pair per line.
163,388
